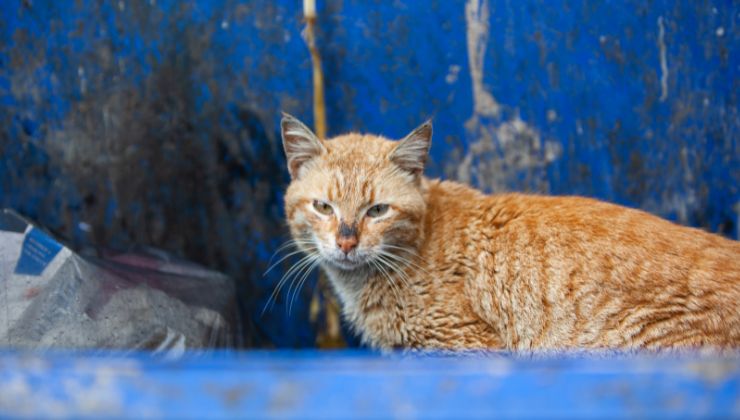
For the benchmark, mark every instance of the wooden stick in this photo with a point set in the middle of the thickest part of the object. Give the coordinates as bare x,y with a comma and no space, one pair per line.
319,108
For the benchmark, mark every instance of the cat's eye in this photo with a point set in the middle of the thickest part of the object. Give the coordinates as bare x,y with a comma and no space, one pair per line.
322,207
377,210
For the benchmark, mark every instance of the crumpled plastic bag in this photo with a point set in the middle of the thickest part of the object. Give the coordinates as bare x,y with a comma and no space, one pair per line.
52,297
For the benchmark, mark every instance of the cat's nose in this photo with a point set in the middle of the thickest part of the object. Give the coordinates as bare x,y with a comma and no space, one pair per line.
347,237
347,243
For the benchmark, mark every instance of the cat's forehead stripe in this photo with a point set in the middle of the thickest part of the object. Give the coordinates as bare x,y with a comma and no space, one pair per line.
366,189
334,188
330,193
339,178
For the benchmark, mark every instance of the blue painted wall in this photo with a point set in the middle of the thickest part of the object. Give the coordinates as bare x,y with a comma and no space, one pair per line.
156,122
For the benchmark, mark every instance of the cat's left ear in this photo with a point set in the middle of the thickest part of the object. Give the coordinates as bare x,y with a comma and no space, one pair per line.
299,142
411,153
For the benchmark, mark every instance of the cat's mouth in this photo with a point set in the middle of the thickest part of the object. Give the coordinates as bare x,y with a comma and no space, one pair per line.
346,262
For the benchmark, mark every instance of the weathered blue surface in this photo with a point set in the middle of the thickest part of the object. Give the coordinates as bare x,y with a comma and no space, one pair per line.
343,385
155,122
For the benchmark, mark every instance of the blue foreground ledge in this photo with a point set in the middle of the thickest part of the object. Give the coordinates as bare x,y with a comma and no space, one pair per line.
361,384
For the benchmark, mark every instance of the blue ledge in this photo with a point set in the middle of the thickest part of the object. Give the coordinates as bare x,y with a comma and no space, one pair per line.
329,384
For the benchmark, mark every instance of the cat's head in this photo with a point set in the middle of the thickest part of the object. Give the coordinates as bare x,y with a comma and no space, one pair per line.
355,198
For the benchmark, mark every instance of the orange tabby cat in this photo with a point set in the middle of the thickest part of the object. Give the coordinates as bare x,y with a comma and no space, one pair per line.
421,263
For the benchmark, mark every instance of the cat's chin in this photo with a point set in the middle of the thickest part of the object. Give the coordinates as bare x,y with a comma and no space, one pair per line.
344,264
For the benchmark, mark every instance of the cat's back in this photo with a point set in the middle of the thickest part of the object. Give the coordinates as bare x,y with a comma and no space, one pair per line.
573,271
578,225
584,227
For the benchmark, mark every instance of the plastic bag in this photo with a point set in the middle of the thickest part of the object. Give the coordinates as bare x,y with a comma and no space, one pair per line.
51,297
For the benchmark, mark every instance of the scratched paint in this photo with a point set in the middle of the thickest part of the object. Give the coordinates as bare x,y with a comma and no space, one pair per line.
156,123
477,18
663,61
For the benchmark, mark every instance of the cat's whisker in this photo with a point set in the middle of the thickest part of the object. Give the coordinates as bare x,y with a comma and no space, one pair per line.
289,242
392,284
402,248
407,249
403,260
299,278
301,282
401,272
396,290
380,268
297,266
296,272
286,244
281,260
397,270
296,269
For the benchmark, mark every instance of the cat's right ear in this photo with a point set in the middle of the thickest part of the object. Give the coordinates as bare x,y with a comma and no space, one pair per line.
411,153
299,142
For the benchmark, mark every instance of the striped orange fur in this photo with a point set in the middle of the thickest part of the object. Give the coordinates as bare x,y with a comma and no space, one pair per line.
446,266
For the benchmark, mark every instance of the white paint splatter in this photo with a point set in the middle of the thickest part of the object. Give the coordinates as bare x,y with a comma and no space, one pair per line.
663,61
720,32
452,74
553,150
505,152
476,19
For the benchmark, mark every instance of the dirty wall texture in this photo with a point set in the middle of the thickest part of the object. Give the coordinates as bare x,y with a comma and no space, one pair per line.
126,123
